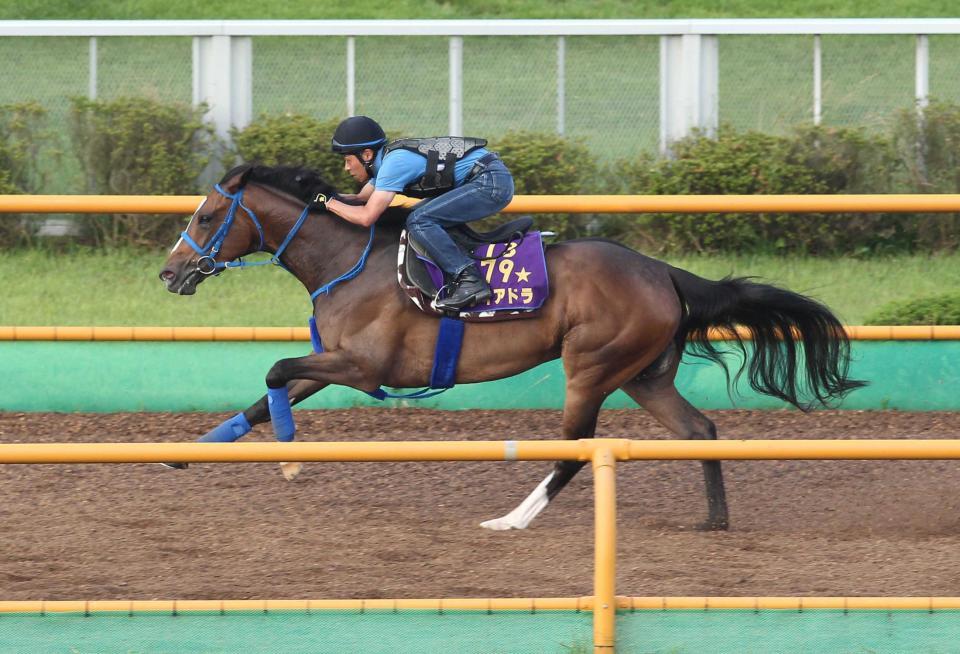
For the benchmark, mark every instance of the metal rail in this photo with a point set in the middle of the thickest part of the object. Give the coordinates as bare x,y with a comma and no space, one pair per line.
283,334
523,450
890,203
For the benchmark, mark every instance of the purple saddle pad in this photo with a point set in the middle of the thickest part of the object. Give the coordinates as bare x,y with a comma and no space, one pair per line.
517,273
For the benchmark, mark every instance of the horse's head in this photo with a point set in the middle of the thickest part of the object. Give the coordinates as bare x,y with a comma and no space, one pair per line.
222,229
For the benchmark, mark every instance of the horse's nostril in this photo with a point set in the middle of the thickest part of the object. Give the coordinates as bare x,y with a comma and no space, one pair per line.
167,275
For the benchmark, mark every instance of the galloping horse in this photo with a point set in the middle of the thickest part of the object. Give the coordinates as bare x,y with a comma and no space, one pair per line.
617,318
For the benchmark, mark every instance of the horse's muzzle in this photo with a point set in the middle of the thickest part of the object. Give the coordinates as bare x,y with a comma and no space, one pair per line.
182,283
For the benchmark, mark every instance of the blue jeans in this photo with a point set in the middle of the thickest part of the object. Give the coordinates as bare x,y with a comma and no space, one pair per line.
484,195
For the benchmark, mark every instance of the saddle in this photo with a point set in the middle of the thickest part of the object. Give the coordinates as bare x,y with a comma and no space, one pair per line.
510,257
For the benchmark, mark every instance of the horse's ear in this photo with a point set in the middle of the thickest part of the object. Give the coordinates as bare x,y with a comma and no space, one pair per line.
237,177
245,177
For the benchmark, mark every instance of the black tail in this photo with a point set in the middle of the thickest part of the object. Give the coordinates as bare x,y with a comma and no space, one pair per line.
778,321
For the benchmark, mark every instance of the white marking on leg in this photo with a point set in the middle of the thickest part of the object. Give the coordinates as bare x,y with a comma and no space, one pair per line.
524,514
290,470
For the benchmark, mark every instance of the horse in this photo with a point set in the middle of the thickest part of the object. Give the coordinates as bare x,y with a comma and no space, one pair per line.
618,319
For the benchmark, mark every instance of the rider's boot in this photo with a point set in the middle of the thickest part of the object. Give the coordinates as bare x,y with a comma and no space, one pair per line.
467,289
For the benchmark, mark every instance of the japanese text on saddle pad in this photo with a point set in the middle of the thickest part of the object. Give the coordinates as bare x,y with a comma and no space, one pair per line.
516,271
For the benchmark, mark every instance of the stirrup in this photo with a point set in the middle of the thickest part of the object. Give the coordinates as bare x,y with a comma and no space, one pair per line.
480,296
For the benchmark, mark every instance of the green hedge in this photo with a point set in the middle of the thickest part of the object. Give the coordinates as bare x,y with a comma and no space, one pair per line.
936,310
138,146
549,164
293,140
809,161
24,137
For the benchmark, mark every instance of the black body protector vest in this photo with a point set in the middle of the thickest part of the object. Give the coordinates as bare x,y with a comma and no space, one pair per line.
442,153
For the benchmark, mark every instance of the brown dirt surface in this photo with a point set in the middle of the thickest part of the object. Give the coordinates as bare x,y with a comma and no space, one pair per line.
375,530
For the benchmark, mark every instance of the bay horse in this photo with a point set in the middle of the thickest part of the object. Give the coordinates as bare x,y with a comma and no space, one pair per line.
617,318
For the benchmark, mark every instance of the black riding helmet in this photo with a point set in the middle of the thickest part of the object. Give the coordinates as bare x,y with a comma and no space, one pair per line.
357,133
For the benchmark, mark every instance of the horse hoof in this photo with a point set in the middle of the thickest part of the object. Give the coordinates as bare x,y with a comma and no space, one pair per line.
176,466
500,524
290,470
714,525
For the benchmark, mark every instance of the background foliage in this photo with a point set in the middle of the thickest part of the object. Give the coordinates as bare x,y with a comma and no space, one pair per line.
293,140
331,9
137,146
549,164
23,137
144,146
941,309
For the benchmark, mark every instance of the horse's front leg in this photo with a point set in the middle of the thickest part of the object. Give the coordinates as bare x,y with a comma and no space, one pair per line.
297,391
310,373
238,426
321,369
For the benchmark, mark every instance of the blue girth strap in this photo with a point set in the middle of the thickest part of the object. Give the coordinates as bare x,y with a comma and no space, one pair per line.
445,357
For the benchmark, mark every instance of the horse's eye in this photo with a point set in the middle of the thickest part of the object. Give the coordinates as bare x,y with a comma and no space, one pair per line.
204,220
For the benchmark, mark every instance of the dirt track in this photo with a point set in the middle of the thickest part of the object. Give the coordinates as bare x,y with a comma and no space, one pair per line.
410,529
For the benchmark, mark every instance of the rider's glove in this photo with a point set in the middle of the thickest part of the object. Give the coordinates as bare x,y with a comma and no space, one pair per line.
320,202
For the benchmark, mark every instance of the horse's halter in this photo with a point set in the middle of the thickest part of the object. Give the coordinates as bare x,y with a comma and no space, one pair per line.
207,263
209,251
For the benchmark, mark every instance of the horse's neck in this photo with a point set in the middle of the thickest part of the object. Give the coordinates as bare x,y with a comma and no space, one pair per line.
324,248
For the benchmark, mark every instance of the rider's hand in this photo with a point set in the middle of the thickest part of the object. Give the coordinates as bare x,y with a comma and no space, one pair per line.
320,202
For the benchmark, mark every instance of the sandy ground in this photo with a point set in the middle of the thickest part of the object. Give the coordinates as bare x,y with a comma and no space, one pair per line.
355,530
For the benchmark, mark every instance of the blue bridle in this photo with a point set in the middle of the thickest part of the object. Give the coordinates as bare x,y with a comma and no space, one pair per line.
208,252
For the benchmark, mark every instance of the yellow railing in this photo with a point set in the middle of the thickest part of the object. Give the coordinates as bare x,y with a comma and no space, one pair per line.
526,604
51,333
602,452
890,203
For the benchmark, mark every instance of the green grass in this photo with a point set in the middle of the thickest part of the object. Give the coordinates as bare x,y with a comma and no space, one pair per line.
332,9
123,289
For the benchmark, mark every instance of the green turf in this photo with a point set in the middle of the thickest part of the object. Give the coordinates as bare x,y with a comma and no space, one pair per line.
122,288
331,9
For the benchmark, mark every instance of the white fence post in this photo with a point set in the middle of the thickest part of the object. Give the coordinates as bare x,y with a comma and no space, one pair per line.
351,76
817,79
561,84
689,98
456,86
922,92
92,81
222,77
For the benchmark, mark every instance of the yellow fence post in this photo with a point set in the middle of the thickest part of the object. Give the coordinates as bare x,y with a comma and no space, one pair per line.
605,550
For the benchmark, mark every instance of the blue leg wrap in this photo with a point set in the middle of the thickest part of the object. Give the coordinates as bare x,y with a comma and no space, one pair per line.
281,415
227,431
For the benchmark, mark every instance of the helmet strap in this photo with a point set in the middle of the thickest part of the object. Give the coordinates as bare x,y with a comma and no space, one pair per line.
368,165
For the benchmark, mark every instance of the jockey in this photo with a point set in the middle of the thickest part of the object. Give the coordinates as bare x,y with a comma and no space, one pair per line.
460,180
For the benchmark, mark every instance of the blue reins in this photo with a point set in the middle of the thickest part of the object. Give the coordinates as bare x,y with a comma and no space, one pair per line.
209,251
350,274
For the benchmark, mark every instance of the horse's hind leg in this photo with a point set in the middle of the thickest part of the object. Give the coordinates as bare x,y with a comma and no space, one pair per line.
580,411
655,391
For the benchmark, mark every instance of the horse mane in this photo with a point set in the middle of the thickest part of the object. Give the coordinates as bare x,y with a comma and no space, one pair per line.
302,183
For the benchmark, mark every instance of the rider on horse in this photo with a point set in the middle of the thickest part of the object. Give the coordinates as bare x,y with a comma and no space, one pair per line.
460,180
